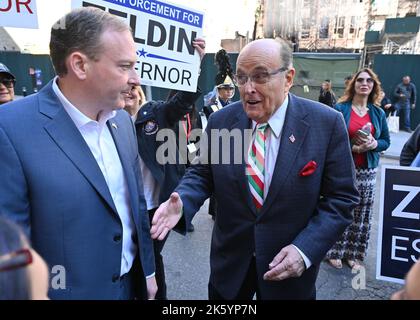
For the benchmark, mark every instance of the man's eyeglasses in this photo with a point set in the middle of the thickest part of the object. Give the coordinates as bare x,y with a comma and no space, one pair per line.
260,77
368,80
8,83
15,260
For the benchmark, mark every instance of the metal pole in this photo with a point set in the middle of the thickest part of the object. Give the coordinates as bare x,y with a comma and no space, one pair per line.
149,96
362,58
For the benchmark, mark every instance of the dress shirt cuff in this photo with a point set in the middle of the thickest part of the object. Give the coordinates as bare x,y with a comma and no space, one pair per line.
308,262
153,274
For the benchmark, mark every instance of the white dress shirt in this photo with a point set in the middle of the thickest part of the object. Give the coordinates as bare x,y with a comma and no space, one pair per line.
272,145
102,145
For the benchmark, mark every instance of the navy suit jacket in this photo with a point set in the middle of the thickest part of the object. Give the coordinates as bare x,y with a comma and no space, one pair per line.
52,185
310,212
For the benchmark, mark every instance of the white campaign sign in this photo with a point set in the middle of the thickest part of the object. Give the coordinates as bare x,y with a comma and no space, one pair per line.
18,14
163,33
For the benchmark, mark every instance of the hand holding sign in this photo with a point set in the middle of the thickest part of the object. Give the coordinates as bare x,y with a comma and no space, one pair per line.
200,45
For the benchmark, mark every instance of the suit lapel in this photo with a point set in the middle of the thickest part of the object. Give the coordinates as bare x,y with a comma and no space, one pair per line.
65,134
120,139
293,135
243,123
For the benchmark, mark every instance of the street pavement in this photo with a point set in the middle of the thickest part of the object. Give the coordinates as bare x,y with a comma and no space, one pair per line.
187,257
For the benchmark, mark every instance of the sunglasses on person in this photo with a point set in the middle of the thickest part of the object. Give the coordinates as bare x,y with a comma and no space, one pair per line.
15,260
7,82
259,77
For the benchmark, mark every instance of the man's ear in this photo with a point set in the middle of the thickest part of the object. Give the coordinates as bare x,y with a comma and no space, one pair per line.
78,64
289,78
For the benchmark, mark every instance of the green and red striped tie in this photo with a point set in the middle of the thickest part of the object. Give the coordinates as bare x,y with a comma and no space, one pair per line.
255,165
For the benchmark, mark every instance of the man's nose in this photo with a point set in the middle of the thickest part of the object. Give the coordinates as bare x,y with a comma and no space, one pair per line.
249,85
134,79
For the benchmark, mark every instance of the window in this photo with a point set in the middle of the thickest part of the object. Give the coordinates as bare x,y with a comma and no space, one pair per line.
304,34
352,24
306,28
306,23
323,28
339,26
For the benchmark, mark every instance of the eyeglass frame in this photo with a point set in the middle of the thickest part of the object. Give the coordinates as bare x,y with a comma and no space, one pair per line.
8,80
13,260
249,77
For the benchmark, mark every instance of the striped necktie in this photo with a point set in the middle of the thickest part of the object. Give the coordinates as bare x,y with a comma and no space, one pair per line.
255,166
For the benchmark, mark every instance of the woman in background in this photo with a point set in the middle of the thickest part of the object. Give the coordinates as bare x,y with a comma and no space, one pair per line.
368,134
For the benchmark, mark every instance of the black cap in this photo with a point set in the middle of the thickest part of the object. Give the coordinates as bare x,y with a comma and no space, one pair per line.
4,69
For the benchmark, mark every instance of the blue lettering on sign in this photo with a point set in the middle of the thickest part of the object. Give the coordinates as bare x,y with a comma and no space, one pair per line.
163,10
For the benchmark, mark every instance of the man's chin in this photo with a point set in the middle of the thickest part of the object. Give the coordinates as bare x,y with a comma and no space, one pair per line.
119,105
254,115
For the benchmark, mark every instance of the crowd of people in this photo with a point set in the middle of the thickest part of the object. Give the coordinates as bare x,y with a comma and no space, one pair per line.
82,186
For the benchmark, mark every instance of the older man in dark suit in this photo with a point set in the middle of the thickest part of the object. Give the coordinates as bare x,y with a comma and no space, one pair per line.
288,196
69,164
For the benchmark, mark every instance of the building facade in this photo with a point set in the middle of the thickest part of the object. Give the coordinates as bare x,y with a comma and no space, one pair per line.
332,25
7,44
316,25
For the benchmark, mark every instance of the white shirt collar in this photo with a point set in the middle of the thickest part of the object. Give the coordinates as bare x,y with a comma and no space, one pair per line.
276,121
75,114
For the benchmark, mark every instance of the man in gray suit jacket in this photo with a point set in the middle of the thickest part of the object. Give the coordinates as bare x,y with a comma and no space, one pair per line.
69,165
288,198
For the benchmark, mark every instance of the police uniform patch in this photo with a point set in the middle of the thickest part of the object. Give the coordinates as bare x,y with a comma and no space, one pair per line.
150,128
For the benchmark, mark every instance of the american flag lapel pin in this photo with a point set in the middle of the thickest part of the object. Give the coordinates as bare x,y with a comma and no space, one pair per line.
114,125
292,138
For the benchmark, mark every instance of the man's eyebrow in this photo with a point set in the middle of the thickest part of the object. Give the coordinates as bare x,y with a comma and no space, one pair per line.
126,61
258,68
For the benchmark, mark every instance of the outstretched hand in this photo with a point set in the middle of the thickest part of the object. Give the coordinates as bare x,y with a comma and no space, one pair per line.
200,45
166,217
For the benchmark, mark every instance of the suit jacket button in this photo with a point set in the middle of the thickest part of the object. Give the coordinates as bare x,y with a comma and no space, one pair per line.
115,278
254,254
117,238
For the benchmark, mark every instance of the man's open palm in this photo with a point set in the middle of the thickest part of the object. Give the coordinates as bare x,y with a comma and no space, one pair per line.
166,217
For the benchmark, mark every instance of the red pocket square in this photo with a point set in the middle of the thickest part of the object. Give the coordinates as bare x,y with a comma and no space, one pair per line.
308,169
